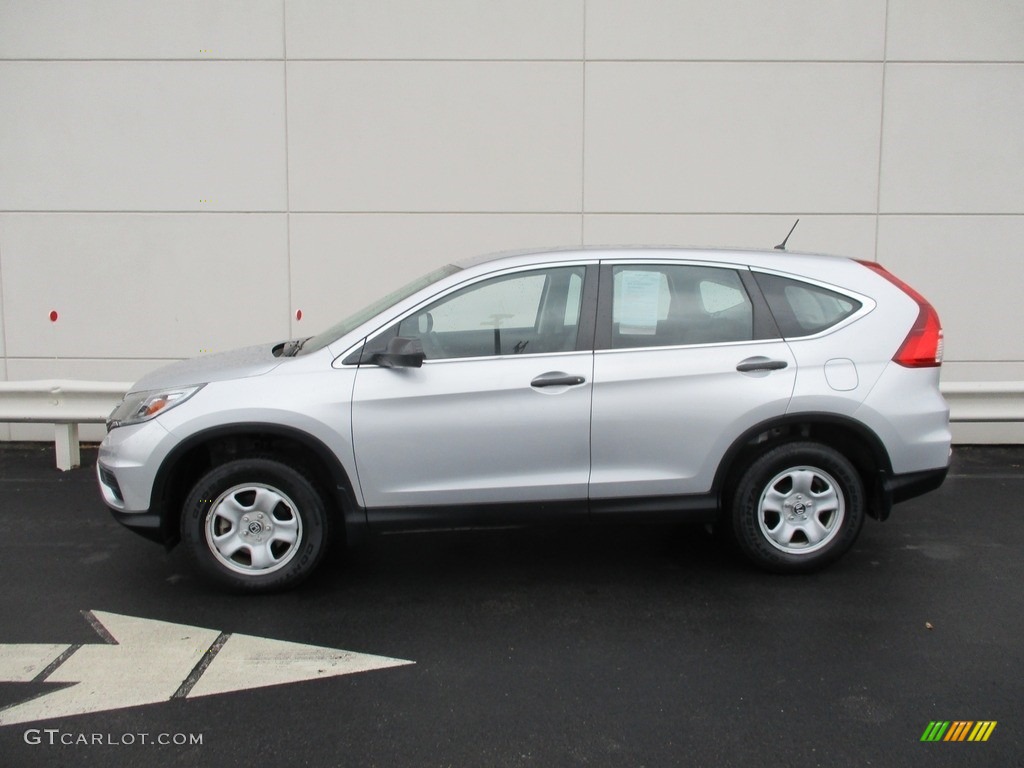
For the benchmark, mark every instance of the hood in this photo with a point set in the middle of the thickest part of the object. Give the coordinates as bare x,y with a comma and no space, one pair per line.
235,364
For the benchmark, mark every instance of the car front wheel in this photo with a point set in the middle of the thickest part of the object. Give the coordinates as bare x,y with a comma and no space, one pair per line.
798,507
255,524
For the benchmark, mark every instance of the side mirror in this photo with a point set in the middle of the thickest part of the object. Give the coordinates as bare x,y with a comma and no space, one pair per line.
401,352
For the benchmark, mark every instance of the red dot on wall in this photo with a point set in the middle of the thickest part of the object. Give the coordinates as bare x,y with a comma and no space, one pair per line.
53,316
298,314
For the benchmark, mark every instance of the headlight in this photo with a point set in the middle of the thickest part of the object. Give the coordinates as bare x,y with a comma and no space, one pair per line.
143,406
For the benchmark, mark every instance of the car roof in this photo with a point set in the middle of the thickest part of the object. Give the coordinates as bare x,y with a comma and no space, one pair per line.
769,258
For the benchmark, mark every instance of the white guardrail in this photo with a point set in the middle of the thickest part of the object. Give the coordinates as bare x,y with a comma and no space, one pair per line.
66,404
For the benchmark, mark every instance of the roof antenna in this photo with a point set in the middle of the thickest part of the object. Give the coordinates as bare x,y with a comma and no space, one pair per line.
782,246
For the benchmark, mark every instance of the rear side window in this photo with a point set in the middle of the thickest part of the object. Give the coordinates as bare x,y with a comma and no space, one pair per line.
802,309
656,305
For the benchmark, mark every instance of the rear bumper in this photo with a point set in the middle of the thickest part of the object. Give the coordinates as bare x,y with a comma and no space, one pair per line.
902,487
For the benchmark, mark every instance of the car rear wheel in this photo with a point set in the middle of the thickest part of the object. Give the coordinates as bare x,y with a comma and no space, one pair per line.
255,525
798,507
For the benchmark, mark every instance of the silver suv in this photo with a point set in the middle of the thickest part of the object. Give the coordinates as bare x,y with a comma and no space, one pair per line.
780,396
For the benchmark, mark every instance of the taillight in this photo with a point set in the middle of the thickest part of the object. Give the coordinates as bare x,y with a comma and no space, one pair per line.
923,346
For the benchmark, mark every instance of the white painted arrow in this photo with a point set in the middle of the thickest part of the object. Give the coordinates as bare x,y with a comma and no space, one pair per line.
147,661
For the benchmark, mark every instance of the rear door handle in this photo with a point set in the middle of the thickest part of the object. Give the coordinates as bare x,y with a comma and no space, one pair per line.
556,379
761,364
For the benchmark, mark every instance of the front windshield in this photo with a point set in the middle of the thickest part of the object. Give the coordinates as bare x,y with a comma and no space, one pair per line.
353,321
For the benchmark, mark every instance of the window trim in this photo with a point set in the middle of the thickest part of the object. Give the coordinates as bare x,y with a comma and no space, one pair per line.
763,326
353,356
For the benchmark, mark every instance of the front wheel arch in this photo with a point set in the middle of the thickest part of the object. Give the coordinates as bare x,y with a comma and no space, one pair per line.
255,524
199,453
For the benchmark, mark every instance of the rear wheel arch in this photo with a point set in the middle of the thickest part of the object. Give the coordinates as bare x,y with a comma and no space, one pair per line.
799,506
205,450
858,444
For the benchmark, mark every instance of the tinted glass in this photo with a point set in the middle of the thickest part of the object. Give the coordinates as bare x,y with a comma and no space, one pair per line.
353,321
522,313
657,305
802,309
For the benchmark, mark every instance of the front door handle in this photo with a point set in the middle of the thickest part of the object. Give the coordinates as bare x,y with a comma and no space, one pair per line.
556,379
761,364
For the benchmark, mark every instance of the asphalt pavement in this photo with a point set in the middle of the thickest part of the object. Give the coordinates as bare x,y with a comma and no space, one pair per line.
594,646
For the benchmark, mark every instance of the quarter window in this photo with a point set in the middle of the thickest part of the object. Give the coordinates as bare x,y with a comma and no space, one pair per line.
802,309
657,305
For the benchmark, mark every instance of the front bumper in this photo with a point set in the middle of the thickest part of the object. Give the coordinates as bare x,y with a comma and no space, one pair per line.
146,524
143,522
125,471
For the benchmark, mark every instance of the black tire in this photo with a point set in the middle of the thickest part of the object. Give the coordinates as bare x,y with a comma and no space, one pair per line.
255,525
797,507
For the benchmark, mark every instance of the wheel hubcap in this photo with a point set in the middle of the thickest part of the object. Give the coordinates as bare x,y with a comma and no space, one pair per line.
253,529
801,510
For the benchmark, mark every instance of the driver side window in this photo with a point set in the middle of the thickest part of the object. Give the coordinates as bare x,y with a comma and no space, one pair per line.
520,313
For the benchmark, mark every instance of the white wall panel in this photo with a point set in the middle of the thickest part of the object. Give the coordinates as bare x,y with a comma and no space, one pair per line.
852,236
141,29
434,136
952,140
441,29
953,370
183,175
956,30
970,269
341,263
750,30
142,286
164,136
734,137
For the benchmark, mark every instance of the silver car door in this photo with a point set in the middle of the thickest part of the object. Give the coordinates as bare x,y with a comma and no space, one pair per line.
682,368
499,412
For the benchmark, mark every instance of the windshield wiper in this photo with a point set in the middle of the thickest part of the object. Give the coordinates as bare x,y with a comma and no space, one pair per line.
293,347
